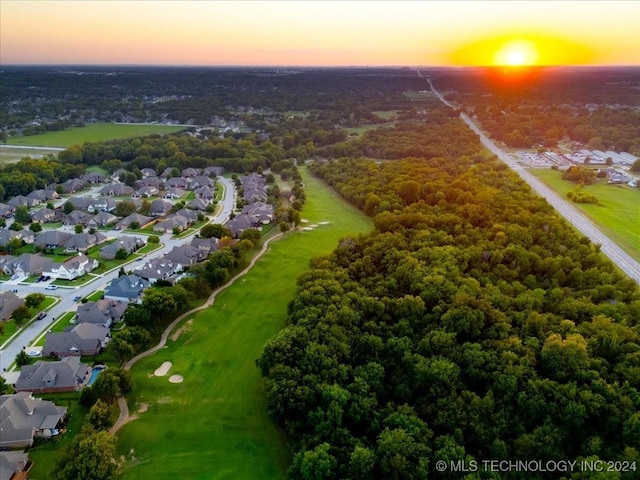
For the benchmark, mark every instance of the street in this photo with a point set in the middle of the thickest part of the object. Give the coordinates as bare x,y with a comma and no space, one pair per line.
33,330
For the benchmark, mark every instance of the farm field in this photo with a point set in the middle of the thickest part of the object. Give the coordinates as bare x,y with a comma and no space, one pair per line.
9,154
619,206
214,424
94,132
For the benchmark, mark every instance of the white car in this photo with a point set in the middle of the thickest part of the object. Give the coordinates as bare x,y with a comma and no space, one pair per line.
34,353
51,287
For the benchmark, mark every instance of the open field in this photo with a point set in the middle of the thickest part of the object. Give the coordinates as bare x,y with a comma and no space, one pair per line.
214,424
617,213
9,154
94,132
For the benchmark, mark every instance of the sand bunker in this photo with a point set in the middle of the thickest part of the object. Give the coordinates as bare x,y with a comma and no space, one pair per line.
176,378
163,369
308,229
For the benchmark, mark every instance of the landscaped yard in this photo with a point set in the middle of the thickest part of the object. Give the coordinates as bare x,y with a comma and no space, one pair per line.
214,424
94,132
618,212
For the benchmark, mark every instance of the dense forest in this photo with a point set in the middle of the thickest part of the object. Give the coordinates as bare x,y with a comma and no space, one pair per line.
473,323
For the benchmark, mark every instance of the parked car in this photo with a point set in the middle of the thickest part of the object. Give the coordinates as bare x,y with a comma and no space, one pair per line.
77,298
41,315
51,287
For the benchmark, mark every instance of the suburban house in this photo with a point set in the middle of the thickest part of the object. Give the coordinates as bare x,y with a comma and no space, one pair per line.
28,264
128,243
213,171
9,301
241,223
102,219
93,178
186,255
81,242
190,215
173,193
80,203
7,235
104,312
201,181
206,245
14,465
116,190
21,200
148,172
77,217
66,375
72,268
46,215
205,193
177,182
158,269
43,195
83,339
127,288
146,192
103,204
6,211
190,172
22,418
52,238
72,185
171,222
142,220
160,208
263,212
198,204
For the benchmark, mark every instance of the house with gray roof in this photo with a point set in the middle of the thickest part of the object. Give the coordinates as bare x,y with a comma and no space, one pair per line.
84,339
142,220
177,182
129,243
21,200
146,192
72,185
190,172
66,375
198,204
263,212
93,177
241,223
7,235
205,193
127,288
186,255
213,171
116,190
102,219
72,268
201,181
173,193
9,301
160,208
206,245
52,238
28,264
171,222
81,242
103,204
77,217
23,418
14,465
148,172
158,269
46,215
188,214
103,312
6,211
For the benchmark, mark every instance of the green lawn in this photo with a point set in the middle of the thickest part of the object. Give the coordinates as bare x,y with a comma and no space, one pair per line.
618,212
214,425
94,132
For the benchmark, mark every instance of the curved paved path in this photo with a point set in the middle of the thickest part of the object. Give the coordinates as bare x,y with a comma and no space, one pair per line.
124,416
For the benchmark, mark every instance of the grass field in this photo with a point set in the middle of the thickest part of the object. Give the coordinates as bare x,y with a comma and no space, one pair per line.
10,154
214,425
94,132
618,212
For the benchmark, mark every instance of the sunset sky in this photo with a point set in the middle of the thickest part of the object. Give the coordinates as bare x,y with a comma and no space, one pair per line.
308,33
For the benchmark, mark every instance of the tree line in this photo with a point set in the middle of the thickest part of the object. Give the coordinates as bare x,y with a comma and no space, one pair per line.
472,323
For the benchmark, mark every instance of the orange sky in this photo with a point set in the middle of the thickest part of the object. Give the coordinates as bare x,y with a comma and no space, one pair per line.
309,33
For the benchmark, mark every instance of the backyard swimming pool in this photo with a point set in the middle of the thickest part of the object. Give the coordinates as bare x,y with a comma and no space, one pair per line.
94,373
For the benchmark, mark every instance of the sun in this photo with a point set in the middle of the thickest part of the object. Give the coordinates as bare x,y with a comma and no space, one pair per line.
517,53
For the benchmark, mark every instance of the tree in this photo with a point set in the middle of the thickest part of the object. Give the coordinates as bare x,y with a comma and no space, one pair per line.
22,358
90,456
35,227
121,349
99,416
16,227
4,387
137,316
635,168
34,299
124,208
284,226
22,214
122,254
21,314
68,207
159,302
215,230
79,228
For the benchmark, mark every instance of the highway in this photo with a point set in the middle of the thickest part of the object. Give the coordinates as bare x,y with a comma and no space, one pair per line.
618,256
31,332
